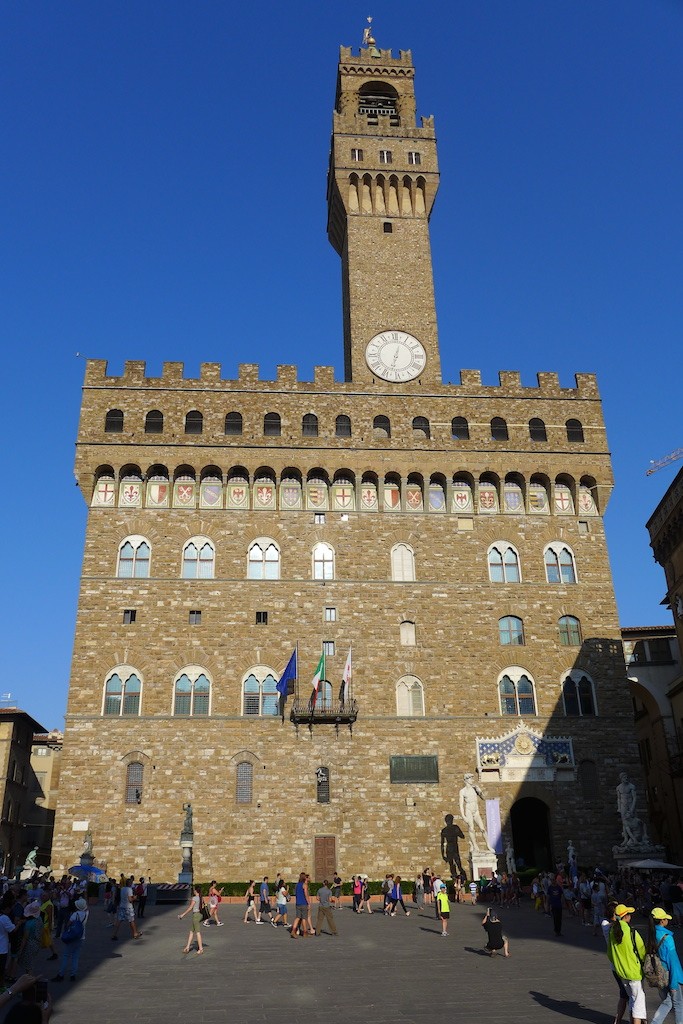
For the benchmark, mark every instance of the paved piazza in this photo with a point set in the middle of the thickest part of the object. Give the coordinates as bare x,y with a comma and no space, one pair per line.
378,969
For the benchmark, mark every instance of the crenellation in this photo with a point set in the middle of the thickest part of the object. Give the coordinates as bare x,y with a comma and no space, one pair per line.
248,374
134,371
95,372
470,378
510,379
210,373
323,376
548,383
172,373
287,374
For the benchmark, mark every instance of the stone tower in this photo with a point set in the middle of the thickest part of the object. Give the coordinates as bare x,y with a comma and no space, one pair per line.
450,536
382,184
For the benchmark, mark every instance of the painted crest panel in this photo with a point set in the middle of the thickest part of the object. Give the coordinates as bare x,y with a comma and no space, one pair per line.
564,503
184,494
130,494
342,496
158,494
104,494
211,495
538,500
462,498
414,499
264,494
237,494
290,495
368,498
488,498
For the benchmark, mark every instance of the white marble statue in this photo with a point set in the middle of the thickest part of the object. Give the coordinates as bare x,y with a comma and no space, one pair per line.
469,798
510,859
633,829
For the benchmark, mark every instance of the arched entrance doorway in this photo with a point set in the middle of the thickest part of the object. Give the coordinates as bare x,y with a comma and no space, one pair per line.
530,822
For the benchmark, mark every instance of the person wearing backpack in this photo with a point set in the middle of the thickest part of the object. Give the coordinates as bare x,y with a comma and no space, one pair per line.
661,942
73,937
626,952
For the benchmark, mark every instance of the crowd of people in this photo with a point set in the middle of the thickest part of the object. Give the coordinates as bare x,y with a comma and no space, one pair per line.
48,916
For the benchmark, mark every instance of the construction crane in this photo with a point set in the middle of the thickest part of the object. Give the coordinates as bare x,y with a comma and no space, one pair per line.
660,463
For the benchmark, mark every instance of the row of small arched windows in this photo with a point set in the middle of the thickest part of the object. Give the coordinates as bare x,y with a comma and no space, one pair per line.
381,425
264,561
192,694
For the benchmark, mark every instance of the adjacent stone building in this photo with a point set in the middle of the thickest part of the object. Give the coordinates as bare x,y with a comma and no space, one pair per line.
18,789
450,536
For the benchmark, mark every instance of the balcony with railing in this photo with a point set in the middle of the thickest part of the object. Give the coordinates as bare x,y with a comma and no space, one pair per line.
323,712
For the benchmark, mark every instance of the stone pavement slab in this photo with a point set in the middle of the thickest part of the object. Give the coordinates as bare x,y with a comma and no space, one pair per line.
377,970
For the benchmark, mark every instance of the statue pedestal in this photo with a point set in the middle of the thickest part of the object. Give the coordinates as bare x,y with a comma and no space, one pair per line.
641,851
482,864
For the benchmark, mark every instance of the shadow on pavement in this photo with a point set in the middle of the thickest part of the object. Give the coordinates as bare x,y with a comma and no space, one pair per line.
570,1008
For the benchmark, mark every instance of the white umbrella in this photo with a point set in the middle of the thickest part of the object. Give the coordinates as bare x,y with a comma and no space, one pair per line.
653,865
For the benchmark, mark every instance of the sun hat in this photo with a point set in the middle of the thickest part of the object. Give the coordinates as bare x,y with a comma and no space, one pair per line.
661,915
32,909
621,910
81,904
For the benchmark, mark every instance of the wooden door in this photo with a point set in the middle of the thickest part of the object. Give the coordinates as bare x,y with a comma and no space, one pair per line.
325,858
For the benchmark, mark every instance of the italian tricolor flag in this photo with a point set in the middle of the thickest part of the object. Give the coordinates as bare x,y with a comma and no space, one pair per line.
319,674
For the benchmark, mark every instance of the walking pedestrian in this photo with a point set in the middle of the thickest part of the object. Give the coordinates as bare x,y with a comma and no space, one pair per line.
126,911
302,907
395,897
71,954
419,892
251,904
606,924
555,899
494,933
626,951
215,896
325,909
357,886
661,941
29,946
264,897
194,907
281,900
365,896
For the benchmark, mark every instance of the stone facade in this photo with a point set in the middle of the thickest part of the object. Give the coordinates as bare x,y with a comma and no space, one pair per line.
19,791
413,509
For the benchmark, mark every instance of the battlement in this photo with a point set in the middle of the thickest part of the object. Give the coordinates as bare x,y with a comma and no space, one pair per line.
366,59
172,376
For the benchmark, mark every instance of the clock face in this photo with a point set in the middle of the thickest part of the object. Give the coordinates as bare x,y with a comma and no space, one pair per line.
395,356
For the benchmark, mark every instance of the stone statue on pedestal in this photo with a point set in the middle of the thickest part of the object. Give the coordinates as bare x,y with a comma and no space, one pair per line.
30,861
469,798
510,859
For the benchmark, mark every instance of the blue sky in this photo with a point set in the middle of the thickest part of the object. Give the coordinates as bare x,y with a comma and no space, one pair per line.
163,198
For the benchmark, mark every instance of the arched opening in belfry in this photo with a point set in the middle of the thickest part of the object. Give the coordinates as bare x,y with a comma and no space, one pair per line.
530,823
378,102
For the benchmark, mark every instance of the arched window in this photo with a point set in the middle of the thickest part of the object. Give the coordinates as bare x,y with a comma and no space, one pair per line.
588,780
194,422
381,427
309,425
244,782
113,422
342,426
272,424
407,633
263,560
570,631
578,695
410,697
537,431
233,424
460,430
259,694
122,691
421,426
511,630
323,562
559,564
499,429
574,431
192,693
134,779
516,692
199,559
402,564
503,563
154,422
134,558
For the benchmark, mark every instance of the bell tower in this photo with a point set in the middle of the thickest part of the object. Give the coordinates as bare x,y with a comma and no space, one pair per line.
382,183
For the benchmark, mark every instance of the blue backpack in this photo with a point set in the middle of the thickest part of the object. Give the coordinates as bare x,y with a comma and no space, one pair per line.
73,931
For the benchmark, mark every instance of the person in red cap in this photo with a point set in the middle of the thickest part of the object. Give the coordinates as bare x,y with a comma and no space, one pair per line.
626,952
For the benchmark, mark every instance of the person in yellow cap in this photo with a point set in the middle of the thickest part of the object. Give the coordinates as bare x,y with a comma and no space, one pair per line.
626,952
661,941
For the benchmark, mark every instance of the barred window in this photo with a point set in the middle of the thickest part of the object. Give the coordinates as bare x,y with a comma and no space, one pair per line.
460,430
342,426
245,782
134,777
272,424
259,693
537,431
309,425
194,422
574,431
499,429
233,423
113,422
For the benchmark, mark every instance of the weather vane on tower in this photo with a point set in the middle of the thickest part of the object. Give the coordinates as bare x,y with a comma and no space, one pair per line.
367,34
